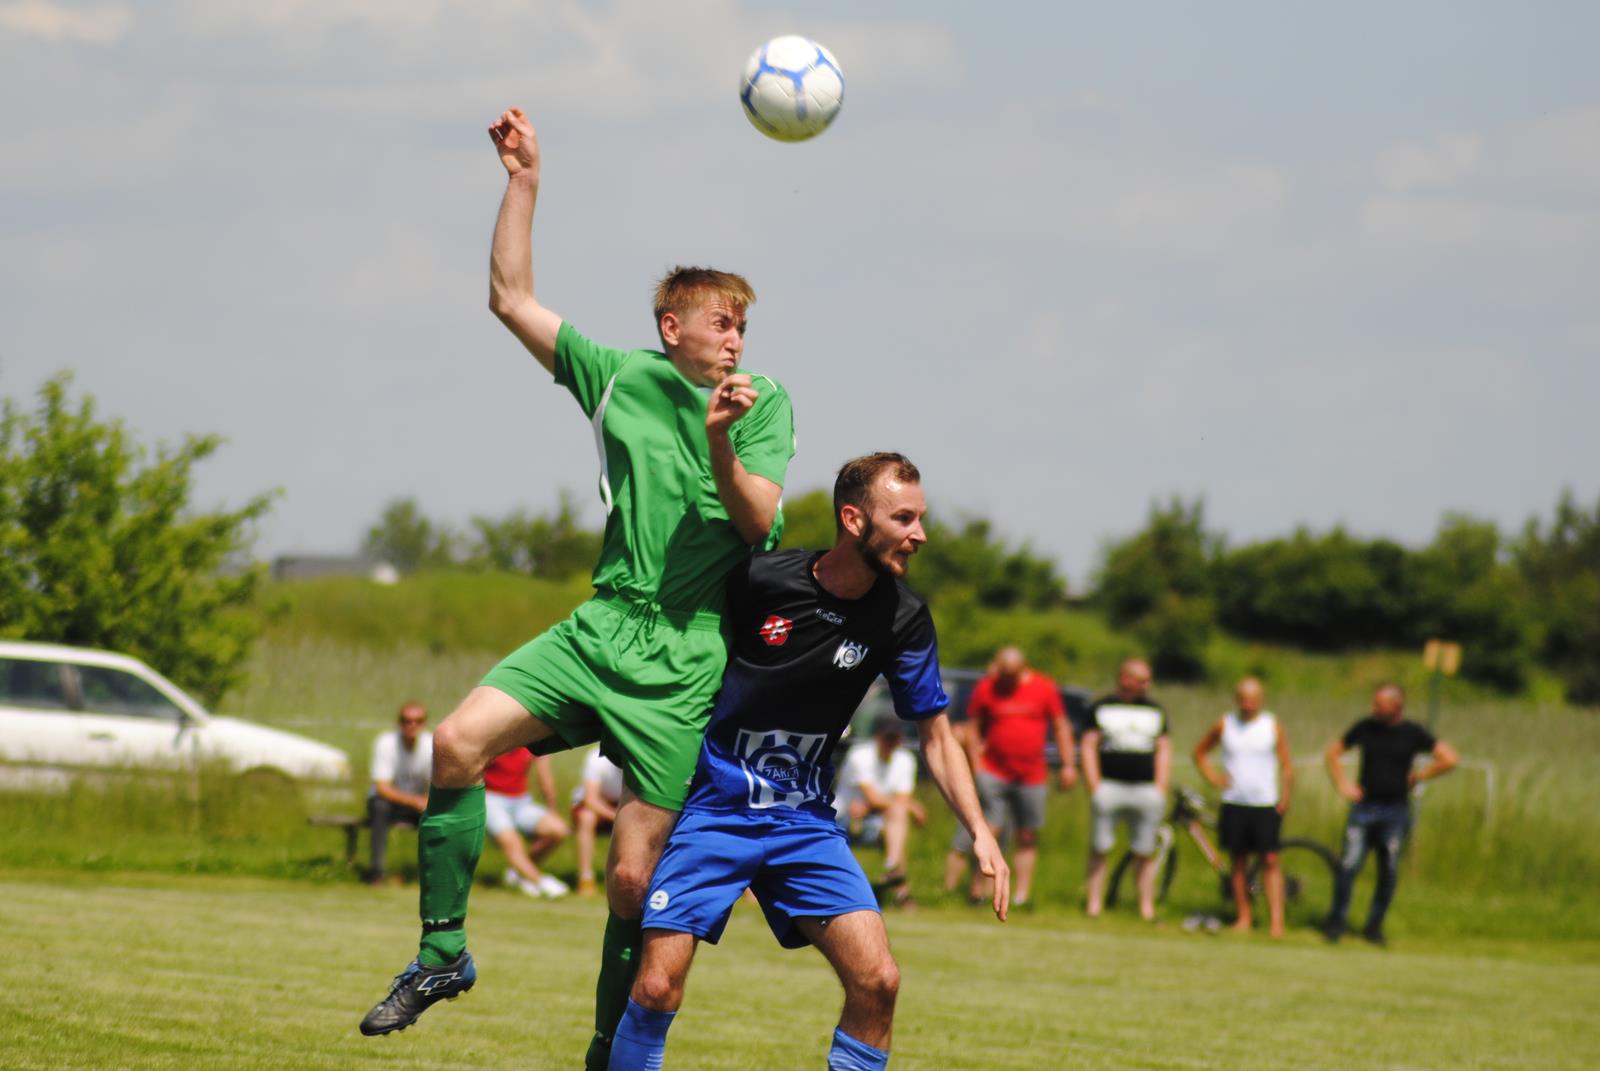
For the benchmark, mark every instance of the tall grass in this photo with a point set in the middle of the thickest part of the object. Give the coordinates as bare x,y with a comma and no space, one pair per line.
1524,862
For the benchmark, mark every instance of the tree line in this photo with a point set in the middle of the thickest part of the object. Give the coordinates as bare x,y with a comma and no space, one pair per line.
1514,602
100,546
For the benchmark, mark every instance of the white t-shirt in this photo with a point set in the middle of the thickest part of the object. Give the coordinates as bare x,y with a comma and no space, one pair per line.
862,766
408,771
602,771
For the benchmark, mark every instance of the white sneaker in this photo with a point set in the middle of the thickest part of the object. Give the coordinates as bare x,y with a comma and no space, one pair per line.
552,886
517,881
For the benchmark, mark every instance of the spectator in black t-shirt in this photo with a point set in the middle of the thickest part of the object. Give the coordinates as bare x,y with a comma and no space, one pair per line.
1380,811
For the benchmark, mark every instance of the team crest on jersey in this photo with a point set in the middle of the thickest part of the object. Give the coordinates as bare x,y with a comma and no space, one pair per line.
781,769
776,630
850,654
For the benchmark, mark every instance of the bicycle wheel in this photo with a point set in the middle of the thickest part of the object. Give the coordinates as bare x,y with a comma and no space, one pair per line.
1309,873
1124,869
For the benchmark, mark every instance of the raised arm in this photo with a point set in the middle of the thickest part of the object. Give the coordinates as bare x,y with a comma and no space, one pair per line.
751,500
511,255
947,762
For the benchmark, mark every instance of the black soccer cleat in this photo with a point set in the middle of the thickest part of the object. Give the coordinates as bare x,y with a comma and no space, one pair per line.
416,989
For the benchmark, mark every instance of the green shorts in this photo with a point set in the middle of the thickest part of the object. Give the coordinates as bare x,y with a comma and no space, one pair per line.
635,677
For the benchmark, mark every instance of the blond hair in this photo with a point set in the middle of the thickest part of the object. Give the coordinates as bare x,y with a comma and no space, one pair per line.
682,289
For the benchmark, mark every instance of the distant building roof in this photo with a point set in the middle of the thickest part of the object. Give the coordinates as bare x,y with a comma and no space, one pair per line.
312,566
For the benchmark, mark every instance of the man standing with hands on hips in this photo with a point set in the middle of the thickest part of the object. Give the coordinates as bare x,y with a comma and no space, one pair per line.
1380,804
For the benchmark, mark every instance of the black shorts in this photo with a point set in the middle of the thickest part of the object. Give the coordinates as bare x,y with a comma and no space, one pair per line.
1248,830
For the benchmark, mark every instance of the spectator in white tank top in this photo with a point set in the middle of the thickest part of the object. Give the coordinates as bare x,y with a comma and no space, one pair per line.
1256,779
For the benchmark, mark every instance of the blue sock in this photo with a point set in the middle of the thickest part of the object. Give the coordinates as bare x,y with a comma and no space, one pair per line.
848,1054
640,1040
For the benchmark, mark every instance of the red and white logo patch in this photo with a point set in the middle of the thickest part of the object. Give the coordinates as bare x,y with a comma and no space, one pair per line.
776,630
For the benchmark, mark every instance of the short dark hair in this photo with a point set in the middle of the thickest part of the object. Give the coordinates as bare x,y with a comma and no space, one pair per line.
853,486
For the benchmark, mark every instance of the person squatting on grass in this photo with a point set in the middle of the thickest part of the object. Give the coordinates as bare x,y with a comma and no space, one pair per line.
810,631
693,457
510,815
1380,801
594,808
874,803
1256,781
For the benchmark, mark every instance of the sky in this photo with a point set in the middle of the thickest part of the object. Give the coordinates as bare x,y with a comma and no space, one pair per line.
1319,264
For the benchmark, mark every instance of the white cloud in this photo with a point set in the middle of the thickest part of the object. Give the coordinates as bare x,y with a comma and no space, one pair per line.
1560,150
1428,223
37,18
1524,188
1442,161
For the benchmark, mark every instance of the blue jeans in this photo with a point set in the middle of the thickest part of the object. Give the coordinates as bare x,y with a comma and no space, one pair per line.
1379,827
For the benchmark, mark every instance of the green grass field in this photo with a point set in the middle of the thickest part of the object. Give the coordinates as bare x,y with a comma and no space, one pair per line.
234,973
164,934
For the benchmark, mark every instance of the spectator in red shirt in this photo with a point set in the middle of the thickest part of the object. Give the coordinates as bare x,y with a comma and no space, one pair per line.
1008,715
510,815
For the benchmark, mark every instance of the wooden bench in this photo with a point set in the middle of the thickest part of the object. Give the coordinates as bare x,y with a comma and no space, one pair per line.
352,825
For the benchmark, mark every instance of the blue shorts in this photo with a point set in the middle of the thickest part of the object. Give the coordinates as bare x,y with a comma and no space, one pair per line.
797,868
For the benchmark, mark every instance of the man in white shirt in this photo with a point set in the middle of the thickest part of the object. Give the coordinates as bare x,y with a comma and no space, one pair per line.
594,808
873,799
402,764
1256,781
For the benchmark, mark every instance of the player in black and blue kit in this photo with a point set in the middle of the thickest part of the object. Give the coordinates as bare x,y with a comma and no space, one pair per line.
811,631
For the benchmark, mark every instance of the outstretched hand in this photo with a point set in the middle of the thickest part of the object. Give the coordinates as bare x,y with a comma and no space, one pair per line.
518,145
730,400
992,864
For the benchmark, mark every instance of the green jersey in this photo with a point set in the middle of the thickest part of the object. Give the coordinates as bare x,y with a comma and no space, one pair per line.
668,538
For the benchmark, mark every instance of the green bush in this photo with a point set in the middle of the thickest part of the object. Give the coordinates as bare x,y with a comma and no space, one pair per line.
99,546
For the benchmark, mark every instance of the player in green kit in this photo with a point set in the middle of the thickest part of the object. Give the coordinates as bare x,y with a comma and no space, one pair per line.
692,460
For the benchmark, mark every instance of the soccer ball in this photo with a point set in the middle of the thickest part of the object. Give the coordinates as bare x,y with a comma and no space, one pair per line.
792,88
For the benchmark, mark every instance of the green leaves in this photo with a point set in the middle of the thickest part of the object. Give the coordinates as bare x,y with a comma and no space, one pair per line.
99,548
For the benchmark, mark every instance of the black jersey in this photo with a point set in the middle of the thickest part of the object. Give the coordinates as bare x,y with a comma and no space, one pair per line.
1387,752
801,662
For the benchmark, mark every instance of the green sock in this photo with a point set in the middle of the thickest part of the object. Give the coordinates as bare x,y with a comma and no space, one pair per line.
449,841
619,962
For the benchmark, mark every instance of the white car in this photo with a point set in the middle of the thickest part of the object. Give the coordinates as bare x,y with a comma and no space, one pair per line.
67,710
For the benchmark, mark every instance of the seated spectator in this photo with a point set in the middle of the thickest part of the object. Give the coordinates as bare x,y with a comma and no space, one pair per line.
402,765
510,815
594,808
873,799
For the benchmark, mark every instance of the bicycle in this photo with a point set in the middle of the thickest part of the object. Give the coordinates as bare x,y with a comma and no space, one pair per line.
1309,868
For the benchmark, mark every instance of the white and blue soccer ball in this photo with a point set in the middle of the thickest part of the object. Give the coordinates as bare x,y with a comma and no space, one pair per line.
792,88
